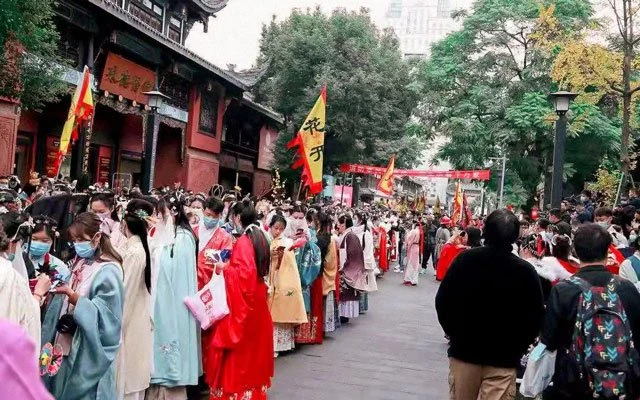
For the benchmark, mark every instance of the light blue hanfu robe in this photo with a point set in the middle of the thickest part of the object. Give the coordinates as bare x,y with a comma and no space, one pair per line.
88,372
177,353
309,262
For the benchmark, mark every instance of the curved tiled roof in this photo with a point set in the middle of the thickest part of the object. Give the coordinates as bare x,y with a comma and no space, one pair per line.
211,6
122,14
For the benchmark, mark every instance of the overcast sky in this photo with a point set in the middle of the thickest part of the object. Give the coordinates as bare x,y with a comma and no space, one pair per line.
234,34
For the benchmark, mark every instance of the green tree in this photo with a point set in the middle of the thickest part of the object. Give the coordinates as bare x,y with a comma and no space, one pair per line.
29,63
369,98
485,89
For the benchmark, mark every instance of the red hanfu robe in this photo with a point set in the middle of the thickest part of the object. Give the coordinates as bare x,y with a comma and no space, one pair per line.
312,332
449,252
220,240
242,342
394,247
615,259
383,256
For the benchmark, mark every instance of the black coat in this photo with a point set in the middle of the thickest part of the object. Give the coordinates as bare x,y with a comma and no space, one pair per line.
490,305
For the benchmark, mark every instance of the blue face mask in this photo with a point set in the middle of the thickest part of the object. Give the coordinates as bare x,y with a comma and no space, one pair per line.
84,249
210,222
39,249
11,256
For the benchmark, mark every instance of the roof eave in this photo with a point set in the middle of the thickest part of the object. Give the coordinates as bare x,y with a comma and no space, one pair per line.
124,16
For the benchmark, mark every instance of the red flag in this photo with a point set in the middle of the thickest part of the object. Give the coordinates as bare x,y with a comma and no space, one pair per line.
386,182
467,212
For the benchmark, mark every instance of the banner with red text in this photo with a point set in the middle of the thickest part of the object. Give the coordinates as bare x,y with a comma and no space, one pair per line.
481,175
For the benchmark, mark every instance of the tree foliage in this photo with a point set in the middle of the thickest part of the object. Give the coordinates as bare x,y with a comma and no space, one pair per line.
485,88
608,73
28,60
369,98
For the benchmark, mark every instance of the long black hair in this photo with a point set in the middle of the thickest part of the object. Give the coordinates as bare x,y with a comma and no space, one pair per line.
175,203
324,236
249,217
135,217
474,236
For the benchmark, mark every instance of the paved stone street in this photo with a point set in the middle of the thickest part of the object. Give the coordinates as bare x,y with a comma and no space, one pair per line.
394,352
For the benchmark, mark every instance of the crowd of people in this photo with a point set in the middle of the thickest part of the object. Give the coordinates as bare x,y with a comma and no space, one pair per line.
98,281
566,282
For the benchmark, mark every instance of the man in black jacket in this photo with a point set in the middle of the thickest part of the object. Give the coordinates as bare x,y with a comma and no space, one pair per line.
591,244
429,243
490,305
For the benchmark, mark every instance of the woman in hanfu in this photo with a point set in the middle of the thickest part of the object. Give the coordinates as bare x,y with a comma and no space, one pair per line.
456,245
43,236
135,358
412,245
353,274
328,272
244,338
176,344
362,230
17,303
88,330
285,292
309,263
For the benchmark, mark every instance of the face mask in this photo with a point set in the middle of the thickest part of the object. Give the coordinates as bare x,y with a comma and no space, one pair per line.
583,198
84,249
633,238
105,215
39,249
604,224
11,256
4,186
210,222
199,212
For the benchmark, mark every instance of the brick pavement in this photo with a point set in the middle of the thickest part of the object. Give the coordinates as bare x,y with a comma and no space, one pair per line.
394,352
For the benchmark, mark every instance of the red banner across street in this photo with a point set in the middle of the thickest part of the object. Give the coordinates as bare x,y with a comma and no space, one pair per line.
482,174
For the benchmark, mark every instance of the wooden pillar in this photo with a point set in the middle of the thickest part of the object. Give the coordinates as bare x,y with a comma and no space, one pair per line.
9,120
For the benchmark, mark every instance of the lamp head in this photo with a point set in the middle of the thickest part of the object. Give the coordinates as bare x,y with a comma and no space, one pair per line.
155,98
561,101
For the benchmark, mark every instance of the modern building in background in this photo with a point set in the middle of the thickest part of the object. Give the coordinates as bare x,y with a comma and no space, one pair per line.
420,23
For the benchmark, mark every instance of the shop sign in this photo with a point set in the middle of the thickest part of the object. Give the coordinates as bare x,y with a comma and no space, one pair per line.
53,145
104,169
127,79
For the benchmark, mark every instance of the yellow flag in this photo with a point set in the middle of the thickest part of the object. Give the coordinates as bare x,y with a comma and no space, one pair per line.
386,182
457,205
81,109
310,143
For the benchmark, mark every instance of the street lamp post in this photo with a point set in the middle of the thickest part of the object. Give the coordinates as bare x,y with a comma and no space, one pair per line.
356,192
561,101
504,170
156,99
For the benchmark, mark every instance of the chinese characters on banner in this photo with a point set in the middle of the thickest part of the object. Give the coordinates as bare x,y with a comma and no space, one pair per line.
481,175
310,145
53,143
127,79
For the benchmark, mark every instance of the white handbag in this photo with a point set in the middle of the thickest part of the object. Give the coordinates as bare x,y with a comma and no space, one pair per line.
209,305
541,366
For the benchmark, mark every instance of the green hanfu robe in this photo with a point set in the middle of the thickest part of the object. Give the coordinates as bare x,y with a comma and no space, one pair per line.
88,372
177,352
